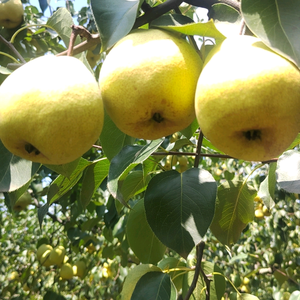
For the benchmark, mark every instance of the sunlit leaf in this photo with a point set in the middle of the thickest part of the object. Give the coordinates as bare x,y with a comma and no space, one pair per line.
207,29
234,210
114,19
180,207
226,18
143,242
61,21
276,23
242,296
62,184
14,171
288,171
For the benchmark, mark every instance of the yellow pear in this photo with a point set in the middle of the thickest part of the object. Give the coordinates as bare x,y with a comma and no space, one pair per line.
51,110
57,255
42,249
22,202
247,99
79,268
66,271
148,82
11,13
44,260
14,276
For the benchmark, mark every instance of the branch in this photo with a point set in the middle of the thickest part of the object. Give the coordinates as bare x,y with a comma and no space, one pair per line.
85,45
12,48
208,3
52,216
198,151
198,270
156,12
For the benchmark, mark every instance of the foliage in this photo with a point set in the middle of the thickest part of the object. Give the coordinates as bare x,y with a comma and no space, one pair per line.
133,210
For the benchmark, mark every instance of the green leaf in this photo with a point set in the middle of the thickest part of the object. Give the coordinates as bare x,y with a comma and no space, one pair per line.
133,277
264,192
234,210
113,139
288,171
276,23
61,21
93,176
53,296
190,130
154,286
126,160
171,19
114,19
141,239
42,211
61,185
243,296
180,207
227,20
169,263
134,184
14,171
207,29
217,284
66,169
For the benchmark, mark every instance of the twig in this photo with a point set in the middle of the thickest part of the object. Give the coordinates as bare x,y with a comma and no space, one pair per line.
198,270
76,30
156,12
85,45
12,48
52,216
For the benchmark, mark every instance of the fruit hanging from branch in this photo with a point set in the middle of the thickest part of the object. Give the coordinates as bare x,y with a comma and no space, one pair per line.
247,99
51,110
148,82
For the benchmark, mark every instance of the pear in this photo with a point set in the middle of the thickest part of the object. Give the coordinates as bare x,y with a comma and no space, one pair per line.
66,271
248,100
57,255
11,13
148,82
22,202
51,110
42,249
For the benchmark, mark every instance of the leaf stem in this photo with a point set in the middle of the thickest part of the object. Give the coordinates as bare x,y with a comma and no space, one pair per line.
231,283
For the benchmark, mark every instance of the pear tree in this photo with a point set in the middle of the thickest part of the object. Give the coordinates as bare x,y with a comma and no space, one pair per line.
205,205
